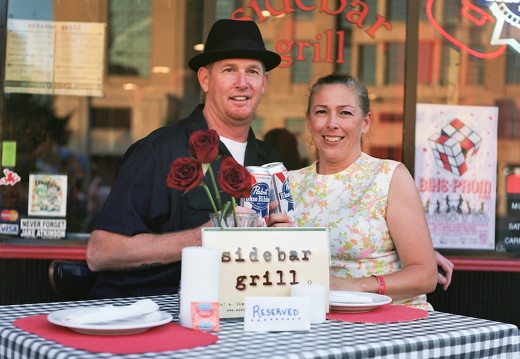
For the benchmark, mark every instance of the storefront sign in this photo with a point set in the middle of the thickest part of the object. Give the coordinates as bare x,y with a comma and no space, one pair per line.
355,12
266,262
455,172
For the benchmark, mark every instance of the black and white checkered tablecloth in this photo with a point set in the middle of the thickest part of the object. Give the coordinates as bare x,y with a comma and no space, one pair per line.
441,335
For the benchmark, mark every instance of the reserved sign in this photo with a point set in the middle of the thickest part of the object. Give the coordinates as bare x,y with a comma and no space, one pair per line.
276,314
266,262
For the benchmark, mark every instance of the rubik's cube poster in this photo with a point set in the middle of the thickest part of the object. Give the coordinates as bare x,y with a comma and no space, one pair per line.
456,171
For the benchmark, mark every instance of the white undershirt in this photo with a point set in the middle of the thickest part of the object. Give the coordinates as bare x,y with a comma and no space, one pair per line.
237,149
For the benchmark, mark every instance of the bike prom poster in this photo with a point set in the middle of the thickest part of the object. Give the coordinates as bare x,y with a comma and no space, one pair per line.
456,173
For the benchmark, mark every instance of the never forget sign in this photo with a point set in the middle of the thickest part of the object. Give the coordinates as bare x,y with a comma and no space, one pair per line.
266,262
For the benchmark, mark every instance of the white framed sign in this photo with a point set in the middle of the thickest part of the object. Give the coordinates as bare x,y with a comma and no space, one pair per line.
266,262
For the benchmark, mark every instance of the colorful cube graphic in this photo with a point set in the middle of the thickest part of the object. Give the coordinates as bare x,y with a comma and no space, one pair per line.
455,147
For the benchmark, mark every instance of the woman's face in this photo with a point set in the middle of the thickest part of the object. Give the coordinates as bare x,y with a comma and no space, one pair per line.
336,124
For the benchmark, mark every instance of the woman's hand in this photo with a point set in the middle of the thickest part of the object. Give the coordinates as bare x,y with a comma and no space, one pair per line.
447,267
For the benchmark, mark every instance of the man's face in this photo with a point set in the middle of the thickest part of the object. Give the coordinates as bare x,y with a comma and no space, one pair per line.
233,88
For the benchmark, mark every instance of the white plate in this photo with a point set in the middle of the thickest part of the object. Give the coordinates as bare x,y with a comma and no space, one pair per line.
339,306
118,327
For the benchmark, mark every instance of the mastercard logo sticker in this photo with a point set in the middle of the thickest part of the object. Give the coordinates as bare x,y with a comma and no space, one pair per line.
9,215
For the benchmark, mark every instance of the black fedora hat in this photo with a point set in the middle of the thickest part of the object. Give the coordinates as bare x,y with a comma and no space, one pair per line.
235,39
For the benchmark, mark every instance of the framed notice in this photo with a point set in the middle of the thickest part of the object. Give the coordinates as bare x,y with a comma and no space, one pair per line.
47,195
54,57
266,262
456,171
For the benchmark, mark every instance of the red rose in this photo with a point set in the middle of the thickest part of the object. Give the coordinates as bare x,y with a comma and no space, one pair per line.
185,174
204,145
234,179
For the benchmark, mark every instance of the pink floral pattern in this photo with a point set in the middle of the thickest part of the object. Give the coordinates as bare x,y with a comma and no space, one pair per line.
352,205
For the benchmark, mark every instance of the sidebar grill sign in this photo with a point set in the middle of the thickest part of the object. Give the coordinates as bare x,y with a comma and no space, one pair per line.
266,262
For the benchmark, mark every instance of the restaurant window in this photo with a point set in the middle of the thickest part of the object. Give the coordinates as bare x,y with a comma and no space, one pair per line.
129,38
449,58
473,55
395,10
394,63
475,68
424,63
111,118
512,68
301,69
225,8
372,6
346,27
451,11
300,15
347,65
367,64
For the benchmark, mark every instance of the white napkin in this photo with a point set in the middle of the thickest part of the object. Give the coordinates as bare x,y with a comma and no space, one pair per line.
109,313
349,297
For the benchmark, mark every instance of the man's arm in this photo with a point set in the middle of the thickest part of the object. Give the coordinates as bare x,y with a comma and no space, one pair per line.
114,251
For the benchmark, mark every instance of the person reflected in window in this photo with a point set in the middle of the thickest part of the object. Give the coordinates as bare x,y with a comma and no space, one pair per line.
287,144
379,237
143,226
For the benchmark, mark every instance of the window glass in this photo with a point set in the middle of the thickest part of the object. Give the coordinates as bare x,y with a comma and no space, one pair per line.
424,62
396,10
129,37
394,61
146,51
367,64
301,70
512,67
469,60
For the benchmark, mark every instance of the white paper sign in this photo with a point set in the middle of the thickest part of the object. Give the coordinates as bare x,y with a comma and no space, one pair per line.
266,262
276,314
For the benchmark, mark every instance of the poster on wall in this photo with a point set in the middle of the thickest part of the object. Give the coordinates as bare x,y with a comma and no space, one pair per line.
54,57
47,195
455,172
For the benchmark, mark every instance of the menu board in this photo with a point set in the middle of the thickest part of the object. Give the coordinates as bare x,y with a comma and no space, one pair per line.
50,57
455,172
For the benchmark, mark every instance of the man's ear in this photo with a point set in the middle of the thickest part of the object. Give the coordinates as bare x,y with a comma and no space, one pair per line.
203,76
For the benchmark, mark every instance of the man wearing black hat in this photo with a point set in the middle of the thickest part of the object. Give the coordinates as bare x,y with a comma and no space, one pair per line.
144,225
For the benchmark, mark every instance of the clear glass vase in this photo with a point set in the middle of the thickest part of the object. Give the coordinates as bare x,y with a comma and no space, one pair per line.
242,220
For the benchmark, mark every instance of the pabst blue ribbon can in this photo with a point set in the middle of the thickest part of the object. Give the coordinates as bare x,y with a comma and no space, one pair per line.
282,187
260,192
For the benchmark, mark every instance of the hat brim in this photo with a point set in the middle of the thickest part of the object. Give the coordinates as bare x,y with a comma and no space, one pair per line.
269,59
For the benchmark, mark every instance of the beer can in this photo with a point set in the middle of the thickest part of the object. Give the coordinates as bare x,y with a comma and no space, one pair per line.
281,187
260,192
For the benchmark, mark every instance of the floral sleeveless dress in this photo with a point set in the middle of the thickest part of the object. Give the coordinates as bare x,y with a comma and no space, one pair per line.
352,205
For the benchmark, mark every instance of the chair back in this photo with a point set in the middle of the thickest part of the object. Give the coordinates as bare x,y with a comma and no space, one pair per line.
71,280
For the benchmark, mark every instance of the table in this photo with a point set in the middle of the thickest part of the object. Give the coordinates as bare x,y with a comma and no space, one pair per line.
441,335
